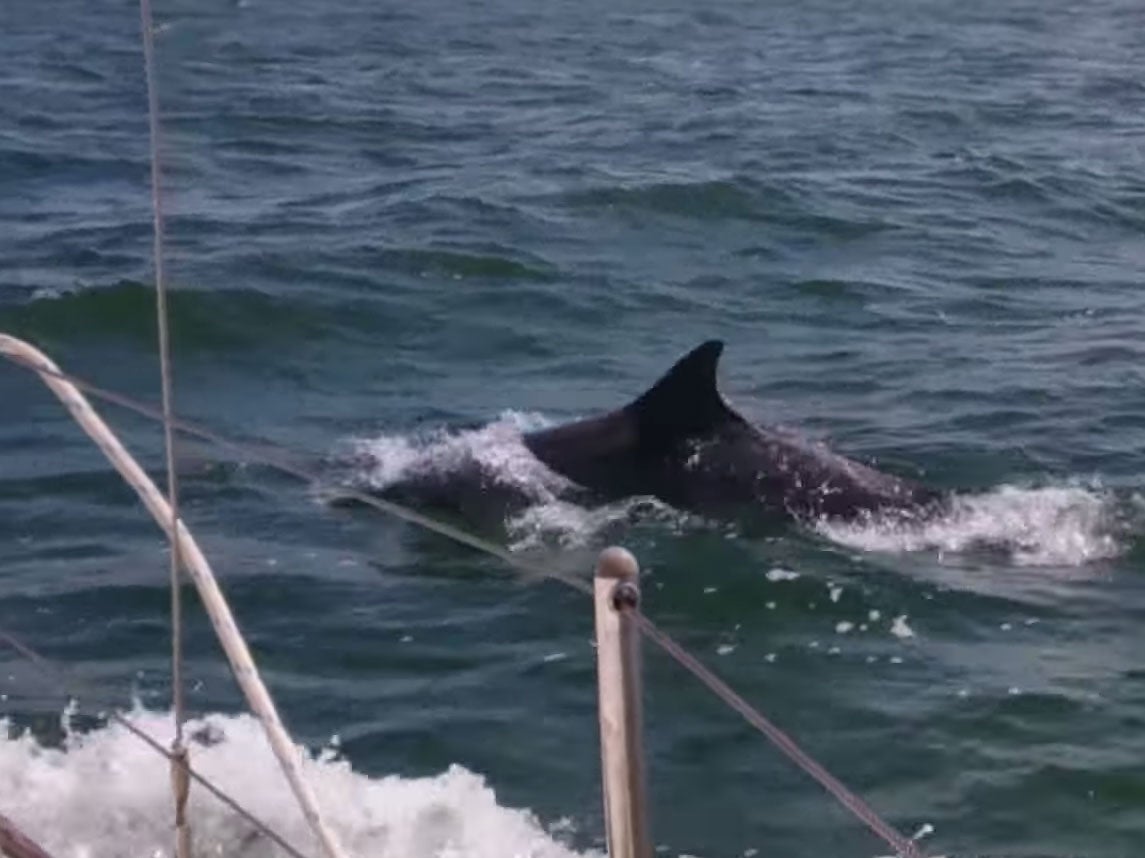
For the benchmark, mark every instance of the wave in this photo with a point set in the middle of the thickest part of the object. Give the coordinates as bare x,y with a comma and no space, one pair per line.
737,198
125,312
29,160
48,793
497,264
705,200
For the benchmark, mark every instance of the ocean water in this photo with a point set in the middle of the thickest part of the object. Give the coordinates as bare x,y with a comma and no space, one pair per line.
400,234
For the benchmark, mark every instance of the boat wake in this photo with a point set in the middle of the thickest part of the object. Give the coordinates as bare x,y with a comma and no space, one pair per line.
48,793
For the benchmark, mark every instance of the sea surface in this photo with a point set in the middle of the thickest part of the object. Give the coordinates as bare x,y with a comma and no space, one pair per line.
401,233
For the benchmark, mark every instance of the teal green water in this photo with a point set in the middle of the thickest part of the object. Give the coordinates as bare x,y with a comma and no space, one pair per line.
918,227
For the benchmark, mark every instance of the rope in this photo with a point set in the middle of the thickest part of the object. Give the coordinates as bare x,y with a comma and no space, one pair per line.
860,809
180,782
57,679
238,654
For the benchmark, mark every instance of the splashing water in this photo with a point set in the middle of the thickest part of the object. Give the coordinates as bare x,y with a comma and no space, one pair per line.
496,448
497,451
1050,526
48,792
567,525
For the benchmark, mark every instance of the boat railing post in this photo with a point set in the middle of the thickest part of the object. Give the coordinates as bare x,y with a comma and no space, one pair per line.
617,594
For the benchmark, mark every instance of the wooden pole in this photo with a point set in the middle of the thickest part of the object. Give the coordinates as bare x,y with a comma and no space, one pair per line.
15,843
617,592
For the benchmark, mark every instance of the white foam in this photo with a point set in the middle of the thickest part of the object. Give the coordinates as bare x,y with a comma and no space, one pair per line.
49,792
900,629
496,447
1051,526
778,574
50,293
563,524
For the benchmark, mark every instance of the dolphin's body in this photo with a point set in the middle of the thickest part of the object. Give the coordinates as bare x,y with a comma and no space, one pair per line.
682,443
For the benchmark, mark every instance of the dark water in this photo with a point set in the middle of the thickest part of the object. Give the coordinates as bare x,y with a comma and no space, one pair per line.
917,225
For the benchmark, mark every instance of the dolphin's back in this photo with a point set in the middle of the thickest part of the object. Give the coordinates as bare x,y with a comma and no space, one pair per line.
600,454
811,481
620,453
681,442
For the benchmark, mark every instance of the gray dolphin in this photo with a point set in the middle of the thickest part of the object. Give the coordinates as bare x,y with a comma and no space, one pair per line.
682,443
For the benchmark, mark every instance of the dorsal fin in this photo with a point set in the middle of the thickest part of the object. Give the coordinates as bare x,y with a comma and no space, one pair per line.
685,401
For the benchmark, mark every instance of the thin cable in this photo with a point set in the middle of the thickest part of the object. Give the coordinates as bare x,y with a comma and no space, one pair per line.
58,679
860,809
863,811
179,779
279,461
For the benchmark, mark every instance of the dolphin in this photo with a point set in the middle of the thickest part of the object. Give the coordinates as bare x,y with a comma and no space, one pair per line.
682,443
